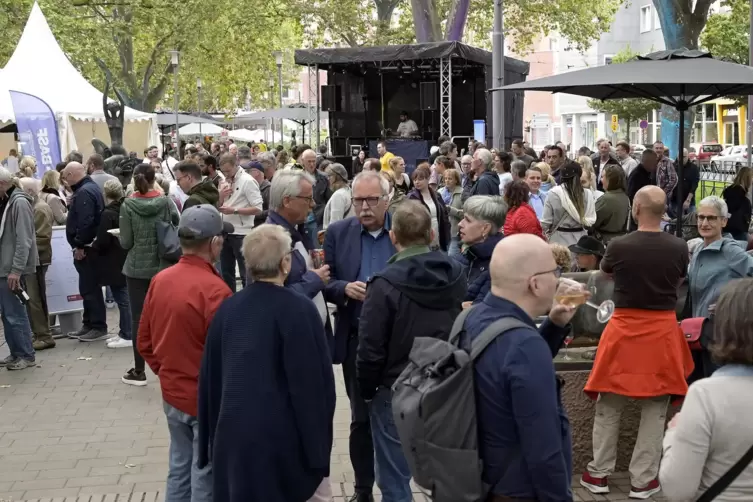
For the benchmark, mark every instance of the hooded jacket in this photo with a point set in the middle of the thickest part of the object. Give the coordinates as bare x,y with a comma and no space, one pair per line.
18,246
138,232
486,184
203,192
418,294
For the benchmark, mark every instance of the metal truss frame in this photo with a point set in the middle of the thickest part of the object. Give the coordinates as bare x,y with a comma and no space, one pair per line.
313,104
445,97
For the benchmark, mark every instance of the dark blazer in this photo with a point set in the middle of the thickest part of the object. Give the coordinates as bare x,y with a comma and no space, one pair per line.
266,397
342,252
84,213
110,256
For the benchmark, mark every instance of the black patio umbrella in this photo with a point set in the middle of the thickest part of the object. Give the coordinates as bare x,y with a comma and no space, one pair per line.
678,78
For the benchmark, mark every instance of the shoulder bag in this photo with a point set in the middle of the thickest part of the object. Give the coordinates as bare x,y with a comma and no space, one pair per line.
168,243
723,483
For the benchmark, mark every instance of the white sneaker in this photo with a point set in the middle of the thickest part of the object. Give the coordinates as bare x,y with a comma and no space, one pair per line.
119,343
110,305
113,338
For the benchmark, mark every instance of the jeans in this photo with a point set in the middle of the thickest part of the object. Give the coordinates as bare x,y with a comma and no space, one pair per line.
231,253
15,323
95,312
109,298
454,248
137,289
360,441
392,471
120,296
185,481
39,316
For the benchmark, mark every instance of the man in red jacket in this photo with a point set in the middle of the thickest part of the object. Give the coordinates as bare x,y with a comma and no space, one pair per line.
181,302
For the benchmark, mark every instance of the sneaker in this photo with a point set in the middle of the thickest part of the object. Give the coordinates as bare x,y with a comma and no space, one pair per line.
43,344
594,485
112,338
110,305
119,343
133,377
56,333
20,364
93,336
8,360
77,334
642,493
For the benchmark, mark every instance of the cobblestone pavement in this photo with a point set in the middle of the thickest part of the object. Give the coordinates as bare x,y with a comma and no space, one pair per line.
70,430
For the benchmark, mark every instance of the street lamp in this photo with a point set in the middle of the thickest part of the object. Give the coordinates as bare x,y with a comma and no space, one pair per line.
198,87
278,60
175,61
271,106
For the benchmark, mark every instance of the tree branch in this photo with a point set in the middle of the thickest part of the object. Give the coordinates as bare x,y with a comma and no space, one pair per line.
152,60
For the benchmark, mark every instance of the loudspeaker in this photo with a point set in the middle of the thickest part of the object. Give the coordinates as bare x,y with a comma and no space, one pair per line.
428,95
331,98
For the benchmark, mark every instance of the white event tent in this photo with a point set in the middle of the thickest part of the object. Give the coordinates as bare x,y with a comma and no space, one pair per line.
196,129
39,67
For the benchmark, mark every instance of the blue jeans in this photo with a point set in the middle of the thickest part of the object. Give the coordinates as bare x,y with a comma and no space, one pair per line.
15,323
185,481
392,471
230,254
108,295
120,296
454,248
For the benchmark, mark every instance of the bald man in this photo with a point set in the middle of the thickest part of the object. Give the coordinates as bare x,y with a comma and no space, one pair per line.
525,437
321,195
84,213
642,352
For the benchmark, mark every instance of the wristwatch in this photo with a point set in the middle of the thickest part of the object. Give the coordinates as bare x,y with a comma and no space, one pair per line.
235,211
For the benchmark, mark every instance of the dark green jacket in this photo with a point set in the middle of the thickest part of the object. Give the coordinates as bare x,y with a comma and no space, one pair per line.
203,193
612,211
138,233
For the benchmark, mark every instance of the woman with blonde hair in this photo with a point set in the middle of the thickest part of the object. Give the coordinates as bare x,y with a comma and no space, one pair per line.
27,168
588,177
401,179
51,195
547,180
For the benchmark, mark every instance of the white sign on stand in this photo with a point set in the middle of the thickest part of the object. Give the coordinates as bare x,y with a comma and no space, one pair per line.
62,278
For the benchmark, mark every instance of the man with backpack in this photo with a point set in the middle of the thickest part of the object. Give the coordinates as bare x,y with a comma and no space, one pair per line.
419,294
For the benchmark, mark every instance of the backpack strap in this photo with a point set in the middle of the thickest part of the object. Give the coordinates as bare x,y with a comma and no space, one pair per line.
722,483
495,329
458,326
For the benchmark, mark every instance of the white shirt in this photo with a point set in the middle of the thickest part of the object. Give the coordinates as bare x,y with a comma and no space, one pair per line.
245,194
407,128
628,164
504,179
434,218
167,168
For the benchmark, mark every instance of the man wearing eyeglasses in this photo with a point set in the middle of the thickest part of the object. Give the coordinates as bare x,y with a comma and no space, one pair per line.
523,431
356,249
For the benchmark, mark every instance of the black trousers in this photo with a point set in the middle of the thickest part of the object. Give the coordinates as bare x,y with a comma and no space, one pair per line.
137,289
95,312
360,443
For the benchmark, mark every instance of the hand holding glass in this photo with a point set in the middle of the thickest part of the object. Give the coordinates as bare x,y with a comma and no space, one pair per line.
573,294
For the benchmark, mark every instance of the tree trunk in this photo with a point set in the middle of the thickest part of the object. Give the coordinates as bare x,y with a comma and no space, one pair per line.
385,8
426,21
456,20
627,135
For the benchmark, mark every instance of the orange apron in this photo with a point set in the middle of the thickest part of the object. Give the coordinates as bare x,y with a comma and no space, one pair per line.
642,353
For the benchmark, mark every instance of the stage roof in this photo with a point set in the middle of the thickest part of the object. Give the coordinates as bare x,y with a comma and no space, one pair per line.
389,53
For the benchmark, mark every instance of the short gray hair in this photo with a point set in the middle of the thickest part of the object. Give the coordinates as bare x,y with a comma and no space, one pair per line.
490,209
113,190
287,184
484,156
31,186
244,152
363,175
717,203
264,248
267,159
5,175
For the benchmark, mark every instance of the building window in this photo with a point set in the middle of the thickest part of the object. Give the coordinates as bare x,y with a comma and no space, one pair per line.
657,23
646,18
608,60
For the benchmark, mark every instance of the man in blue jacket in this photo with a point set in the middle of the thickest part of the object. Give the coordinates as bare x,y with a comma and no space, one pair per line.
81,226
356,249
523,431
487,181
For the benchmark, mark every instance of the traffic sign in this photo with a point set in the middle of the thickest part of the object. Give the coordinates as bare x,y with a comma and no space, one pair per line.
615,120
644,124
615,127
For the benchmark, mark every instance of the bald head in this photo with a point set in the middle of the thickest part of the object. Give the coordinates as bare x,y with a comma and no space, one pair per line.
650,202
517,258
73,173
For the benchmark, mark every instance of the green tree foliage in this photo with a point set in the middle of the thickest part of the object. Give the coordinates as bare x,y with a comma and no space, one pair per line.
226,43
726,34
629,110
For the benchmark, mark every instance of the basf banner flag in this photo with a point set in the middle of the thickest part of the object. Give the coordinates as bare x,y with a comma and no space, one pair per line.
37,130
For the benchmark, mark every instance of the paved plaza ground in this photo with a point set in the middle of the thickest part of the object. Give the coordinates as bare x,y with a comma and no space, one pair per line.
70,431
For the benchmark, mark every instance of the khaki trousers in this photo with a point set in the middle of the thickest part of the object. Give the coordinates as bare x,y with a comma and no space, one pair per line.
644,465
39,317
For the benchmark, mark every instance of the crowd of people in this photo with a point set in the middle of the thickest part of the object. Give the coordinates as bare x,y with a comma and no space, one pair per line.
370,259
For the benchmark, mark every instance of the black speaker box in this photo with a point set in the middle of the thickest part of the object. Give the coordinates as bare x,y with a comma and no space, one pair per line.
428,96
331,98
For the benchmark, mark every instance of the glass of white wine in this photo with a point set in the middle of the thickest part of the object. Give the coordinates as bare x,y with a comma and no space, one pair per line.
573,294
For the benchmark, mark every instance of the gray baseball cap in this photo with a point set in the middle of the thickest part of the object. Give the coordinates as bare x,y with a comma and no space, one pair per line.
202,222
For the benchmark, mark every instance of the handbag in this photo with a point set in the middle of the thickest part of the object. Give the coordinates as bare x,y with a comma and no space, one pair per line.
692,329
723,483
168,243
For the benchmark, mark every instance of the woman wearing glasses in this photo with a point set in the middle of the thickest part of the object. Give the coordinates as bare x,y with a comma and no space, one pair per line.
715,262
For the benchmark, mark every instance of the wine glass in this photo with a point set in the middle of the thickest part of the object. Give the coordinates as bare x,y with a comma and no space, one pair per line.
568,339
572,294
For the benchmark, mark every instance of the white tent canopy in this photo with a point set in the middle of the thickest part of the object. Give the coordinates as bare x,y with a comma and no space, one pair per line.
255,135
39,67
196,129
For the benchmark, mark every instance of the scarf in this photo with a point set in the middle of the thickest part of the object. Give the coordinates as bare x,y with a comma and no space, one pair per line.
589,218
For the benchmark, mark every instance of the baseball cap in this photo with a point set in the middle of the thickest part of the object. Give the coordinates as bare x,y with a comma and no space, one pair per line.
202,222
571,170
254,165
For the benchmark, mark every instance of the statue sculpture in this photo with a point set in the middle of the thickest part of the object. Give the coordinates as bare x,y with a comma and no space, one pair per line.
114,114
